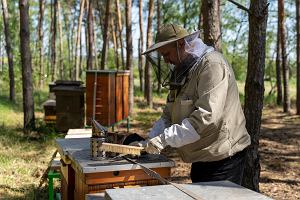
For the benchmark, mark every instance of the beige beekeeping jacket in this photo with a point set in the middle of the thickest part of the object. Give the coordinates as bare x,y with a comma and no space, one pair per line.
210,101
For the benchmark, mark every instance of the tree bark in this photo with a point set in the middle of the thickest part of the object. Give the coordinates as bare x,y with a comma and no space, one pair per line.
40,45
278,67
298,54
120,29
254,88
148,73
9,52
90,59
105,35
53,42
77,48
285,69
95,47
158,30
212,24
1,57
28,102
200,21
61,56
141,44
68,28
80,53
185,10
129,65
114,37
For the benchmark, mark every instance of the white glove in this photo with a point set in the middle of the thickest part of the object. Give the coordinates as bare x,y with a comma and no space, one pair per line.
139,143
152,146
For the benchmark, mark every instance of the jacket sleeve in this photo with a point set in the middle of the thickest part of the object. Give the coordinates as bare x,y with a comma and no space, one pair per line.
212,89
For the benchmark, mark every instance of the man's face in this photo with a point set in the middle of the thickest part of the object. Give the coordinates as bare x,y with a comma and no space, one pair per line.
169,53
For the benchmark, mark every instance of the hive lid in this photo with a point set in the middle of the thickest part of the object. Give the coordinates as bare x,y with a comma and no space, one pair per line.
101,71
67,82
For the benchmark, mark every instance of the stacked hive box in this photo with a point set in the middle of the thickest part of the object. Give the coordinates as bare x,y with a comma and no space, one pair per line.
109,95
69,104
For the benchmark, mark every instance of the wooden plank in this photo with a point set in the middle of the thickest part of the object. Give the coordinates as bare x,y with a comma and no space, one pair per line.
119,97
79,131
123,149
79,136
123,176
67,182
81,189
125,96
217,190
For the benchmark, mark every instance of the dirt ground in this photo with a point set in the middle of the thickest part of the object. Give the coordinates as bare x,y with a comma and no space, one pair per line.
279,154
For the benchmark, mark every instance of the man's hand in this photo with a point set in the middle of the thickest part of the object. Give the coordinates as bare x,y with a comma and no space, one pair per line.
152,146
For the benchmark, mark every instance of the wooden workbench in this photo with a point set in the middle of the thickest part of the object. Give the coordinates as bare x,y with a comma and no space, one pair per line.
80,175
217,190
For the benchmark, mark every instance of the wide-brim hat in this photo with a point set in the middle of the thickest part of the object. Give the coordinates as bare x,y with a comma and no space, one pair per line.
168,34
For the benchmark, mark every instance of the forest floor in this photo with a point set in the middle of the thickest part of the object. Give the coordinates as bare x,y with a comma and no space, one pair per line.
23,159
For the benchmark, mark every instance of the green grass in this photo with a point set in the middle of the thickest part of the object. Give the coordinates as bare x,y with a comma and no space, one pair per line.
270,98
23,158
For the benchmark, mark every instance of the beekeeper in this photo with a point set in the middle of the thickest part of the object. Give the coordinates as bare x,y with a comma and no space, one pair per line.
203,118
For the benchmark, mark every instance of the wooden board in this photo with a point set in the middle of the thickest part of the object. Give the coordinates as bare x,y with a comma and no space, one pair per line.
218,190
79,131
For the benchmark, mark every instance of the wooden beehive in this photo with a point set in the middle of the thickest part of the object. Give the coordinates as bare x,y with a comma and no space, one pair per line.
111,100
69,105
50,111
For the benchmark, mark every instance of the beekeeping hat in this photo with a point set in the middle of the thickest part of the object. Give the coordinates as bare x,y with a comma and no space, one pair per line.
172,76
170,33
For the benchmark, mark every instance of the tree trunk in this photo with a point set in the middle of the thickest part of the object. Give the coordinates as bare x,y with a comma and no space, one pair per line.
77,48
28,102
105,35
185,10
141,44
148,74
40,45
200,21
129,65
211,23
9,52
68,27
298,55
53,42
80,54
114,37
90,25
61,56
285,69
95,47
158,30
120,29
254,88
1,58
278,67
